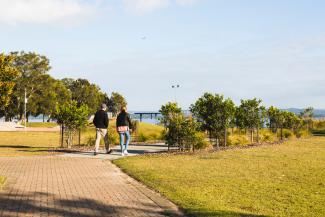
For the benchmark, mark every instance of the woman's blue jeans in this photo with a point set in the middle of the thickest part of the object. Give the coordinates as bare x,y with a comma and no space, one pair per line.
124,140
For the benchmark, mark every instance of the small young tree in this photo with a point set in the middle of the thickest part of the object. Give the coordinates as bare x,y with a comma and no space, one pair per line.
307,115
250,115
181,131
272,113
71,118
168,112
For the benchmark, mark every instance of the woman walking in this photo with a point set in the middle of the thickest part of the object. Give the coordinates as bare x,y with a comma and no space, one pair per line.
123,124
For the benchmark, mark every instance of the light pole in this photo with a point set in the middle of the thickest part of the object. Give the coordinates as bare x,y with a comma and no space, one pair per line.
25,107
175,87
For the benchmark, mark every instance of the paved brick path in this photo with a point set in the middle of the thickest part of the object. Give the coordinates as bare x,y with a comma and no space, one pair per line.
61,186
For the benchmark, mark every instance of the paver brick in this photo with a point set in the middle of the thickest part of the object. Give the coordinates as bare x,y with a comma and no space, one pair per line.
62,186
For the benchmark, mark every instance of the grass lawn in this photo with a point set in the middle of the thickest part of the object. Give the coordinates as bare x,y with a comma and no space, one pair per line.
28,143
280,180
41,124
2,181
44,143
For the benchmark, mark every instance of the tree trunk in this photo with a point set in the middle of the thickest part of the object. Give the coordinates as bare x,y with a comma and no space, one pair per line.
6,116
225,140
281,134
79,137
43,118
62,135
252,135
218,143
258,134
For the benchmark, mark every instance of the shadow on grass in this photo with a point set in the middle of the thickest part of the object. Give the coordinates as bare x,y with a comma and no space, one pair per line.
319,134
50,205
222,213
15,146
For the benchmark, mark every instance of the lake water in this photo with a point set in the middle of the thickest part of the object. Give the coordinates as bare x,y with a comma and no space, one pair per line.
145,119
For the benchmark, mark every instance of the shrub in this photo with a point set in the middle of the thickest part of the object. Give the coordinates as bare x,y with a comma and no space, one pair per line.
287,133
267,137
142,137
200,141
302,133
113,137
236,140
149,132
90,141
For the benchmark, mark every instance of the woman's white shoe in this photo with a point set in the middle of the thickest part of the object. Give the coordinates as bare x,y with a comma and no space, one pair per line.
126,152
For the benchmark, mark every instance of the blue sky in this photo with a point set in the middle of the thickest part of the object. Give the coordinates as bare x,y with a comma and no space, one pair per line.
273,50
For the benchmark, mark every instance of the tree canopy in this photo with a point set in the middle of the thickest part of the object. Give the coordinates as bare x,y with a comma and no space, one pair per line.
8,76
28,73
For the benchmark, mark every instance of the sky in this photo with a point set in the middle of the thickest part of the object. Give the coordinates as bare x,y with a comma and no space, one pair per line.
272,49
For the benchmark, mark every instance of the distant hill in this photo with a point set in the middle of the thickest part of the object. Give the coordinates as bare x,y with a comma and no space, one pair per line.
318,113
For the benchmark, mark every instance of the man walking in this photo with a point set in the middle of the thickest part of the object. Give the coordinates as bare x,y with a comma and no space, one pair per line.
101,124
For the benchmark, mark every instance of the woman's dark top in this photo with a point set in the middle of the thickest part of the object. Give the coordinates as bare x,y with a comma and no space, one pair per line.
123,119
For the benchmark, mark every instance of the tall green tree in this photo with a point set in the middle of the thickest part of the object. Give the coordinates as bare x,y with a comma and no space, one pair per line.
8,76
214,113
115,102
34,70
47,99
85,93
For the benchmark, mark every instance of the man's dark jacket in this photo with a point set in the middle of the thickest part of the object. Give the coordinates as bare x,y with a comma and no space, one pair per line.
101,119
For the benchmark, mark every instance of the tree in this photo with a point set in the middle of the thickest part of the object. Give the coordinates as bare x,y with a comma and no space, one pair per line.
181,131
115,102
48,98
34,69
250,115
214,113
272,114
8,76
85,93
71,117
228,111
168,111
307,115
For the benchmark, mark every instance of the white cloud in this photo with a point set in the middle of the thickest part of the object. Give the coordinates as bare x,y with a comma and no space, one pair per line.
146,6
44,11
186,2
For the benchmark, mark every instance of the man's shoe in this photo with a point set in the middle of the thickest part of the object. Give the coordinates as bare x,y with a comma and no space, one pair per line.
126,152
109,151
95,153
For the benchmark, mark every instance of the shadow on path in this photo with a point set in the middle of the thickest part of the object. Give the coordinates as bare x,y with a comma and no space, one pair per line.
37,204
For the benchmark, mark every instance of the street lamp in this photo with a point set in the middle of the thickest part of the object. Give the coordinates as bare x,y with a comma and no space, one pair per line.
175,87
25,107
